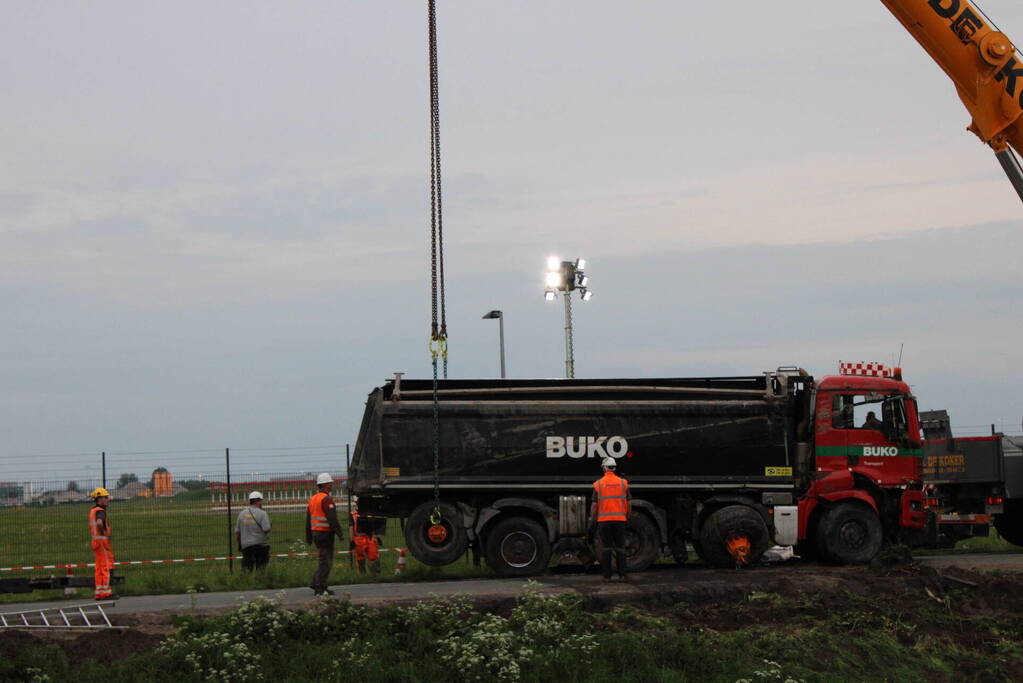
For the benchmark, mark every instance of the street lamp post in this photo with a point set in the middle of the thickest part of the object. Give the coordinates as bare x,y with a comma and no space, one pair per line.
567,277
500,321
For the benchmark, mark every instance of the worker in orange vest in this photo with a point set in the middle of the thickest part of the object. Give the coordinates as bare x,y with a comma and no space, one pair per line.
364,544
102,551
321,526
610,511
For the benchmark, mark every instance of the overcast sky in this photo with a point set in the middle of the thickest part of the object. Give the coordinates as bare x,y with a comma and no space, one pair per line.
214,216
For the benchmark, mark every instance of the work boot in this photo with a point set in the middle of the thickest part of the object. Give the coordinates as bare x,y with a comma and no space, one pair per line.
374,566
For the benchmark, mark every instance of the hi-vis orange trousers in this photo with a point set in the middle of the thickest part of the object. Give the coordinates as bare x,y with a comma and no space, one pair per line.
103,553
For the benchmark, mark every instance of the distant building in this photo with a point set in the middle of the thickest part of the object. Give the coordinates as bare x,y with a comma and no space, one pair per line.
163,484
133,489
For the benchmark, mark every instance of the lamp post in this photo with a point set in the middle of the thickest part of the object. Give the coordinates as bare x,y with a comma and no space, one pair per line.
500,320
567,277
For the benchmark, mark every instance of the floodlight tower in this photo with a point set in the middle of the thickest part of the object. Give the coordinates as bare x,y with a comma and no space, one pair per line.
567,277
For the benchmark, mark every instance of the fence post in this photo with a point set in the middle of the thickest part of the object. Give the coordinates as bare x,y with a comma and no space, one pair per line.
230,531
103,461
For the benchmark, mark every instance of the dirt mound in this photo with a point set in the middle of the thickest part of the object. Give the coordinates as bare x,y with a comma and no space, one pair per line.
106,646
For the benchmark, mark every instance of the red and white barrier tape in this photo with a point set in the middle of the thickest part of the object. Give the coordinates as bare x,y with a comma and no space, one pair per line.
179,561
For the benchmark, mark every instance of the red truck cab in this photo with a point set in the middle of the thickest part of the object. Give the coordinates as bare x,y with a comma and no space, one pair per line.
867,449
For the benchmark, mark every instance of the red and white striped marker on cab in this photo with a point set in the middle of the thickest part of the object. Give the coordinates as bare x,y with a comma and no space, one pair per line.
400,566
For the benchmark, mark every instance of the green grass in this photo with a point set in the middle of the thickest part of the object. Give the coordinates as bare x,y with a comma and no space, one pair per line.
992,543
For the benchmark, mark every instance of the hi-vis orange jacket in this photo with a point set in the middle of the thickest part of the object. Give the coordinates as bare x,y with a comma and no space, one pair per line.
317,516
612,495
99,529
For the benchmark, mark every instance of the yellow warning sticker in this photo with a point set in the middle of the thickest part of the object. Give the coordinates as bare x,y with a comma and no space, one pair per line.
391,472
777,471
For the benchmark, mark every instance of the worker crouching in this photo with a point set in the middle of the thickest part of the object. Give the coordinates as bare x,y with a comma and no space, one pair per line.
364,544
102,550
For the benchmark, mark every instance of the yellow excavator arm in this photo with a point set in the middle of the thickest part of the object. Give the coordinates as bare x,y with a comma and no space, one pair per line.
982,63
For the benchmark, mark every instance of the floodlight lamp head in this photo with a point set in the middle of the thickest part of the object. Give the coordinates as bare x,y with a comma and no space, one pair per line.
548,295
553,263
492,315
554,279
580,263
587,295
583,280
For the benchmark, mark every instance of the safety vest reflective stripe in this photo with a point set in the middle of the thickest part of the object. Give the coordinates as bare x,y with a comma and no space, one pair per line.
317,519
611,494
101,538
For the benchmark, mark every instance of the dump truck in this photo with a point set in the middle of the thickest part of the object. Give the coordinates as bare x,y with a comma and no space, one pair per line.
726,465
970,483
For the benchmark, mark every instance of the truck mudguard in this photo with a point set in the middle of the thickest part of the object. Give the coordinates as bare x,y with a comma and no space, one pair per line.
494,509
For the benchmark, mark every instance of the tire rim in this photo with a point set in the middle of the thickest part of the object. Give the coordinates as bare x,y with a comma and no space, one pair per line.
518,549
852,534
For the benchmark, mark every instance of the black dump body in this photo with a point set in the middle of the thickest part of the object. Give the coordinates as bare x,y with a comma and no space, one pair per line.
546,435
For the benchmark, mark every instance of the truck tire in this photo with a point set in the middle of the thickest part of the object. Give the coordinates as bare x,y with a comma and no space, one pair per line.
677,545
641,542
436,549
728,522
849,533
518,546
1010,523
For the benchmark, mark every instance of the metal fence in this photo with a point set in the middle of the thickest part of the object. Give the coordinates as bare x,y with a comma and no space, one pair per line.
160,516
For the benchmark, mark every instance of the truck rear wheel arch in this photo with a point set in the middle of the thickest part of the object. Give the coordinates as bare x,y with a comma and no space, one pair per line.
525,507
657,515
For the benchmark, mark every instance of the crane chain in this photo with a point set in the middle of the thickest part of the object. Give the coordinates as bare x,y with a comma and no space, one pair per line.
438,332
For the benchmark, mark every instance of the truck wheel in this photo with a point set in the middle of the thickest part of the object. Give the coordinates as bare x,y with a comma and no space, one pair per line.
432,544
641,542
1010,523
849,533
736,526
518,546
677,544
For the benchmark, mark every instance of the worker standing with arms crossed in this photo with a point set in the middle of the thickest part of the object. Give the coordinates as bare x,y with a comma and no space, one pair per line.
610,511
102,551
364,544
321,525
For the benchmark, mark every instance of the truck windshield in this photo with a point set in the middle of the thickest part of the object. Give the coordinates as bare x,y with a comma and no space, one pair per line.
878,412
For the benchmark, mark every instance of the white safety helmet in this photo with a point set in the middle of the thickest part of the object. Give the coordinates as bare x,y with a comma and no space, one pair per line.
324,479
608,463
255,495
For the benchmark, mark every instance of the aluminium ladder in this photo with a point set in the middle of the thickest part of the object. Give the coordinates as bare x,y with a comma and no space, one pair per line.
83,617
